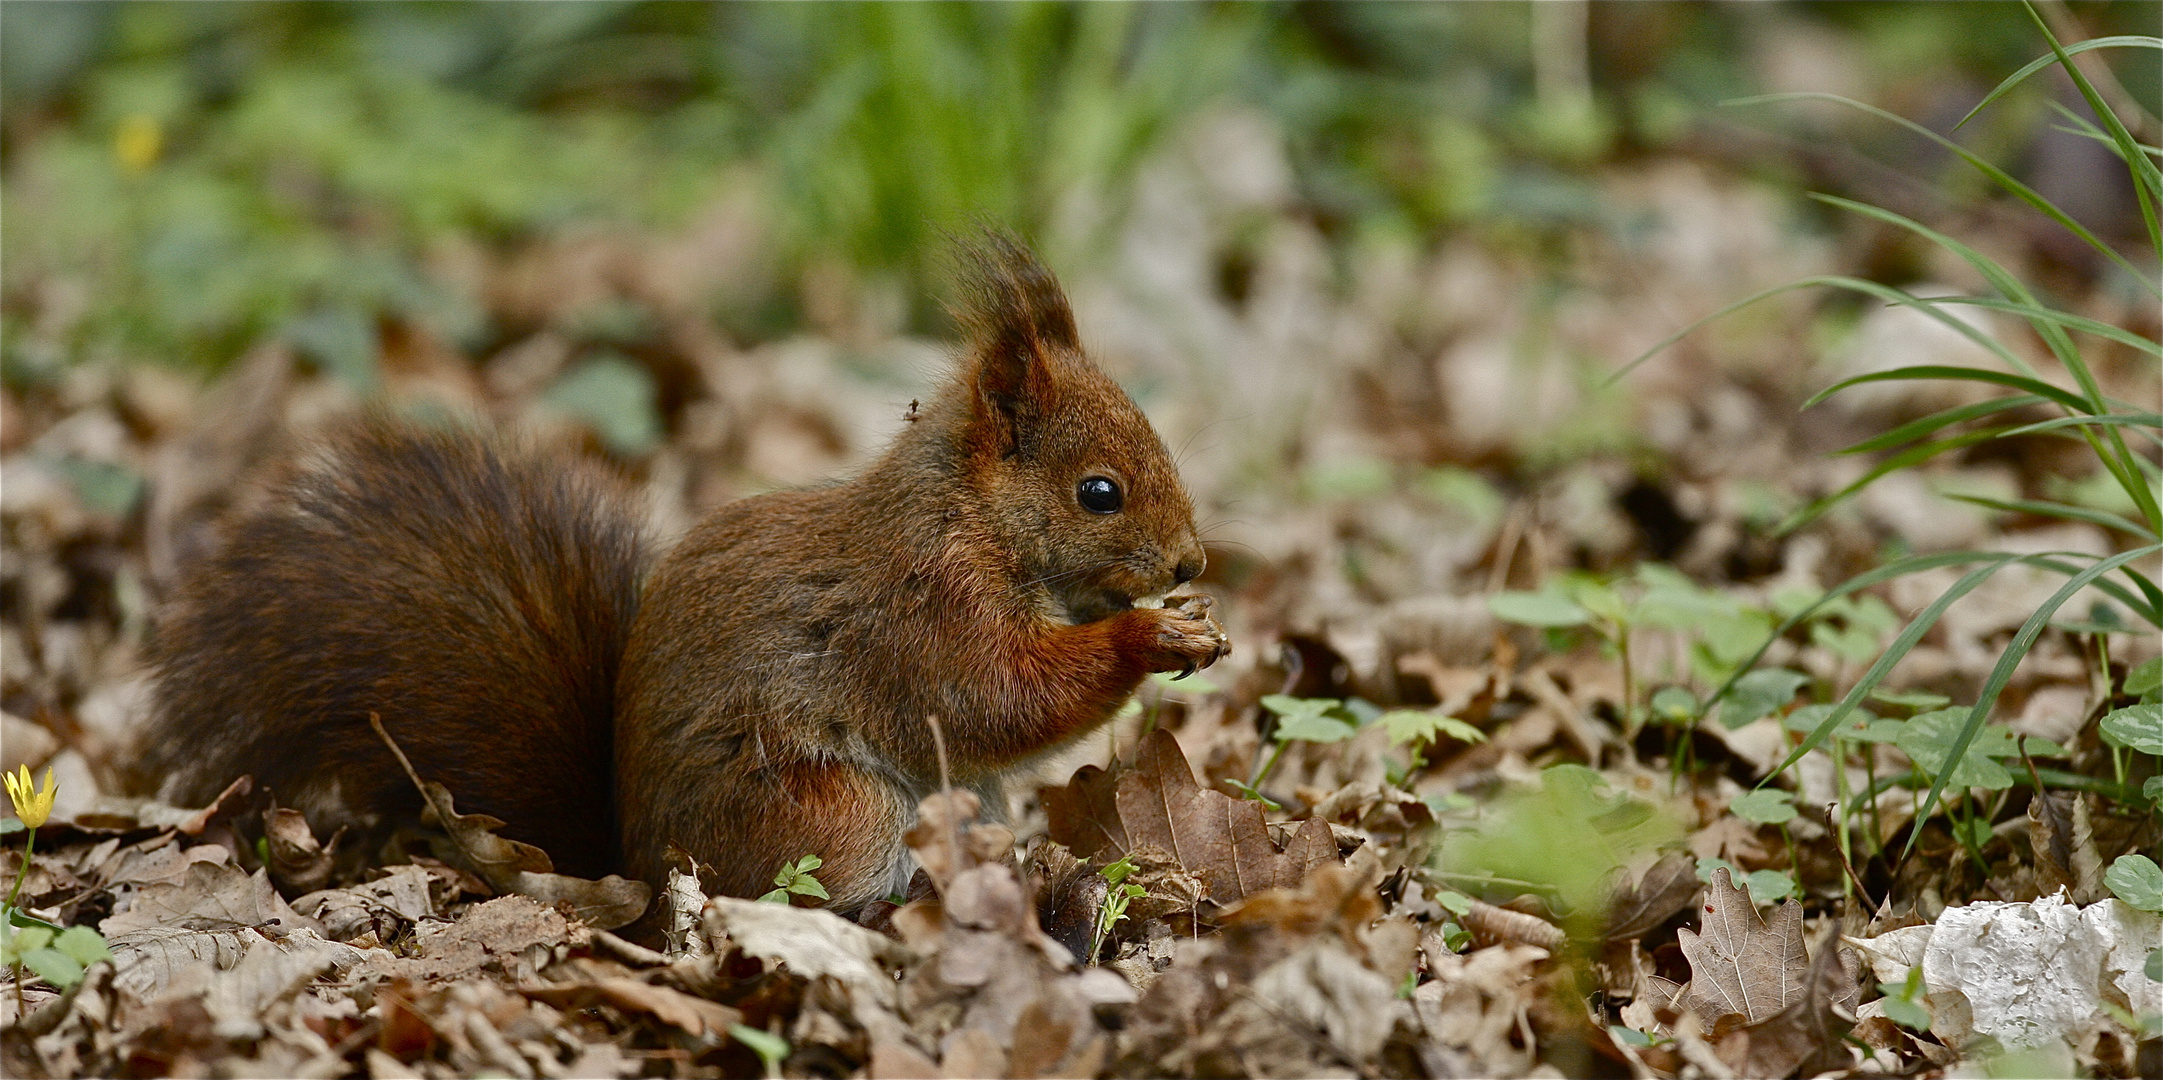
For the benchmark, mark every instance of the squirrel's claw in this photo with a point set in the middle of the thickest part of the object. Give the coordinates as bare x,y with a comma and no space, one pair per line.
1184,674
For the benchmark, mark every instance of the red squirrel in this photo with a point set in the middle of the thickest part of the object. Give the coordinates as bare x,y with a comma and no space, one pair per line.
765,692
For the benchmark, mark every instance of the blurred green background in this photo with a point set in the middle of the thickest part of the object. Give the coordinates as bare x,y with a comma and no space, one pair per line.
185,180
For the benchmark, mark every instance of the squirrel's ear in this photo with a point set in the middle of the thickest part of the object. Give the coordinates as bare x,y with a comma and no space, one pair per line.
1019,326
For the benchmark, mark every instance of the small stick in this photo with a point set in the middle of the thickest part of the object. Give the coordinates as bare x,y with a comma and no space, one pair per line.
938,743
629,952
375,720
1832,810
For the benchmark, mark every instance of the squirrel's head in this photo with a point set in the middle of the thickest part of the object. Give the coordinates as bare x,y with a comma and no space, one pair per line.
1067,470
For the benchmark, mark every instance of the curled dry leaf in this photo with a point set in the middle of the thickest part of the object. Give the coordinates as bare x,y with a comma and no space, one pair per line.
512,867
298,862
1666,887
1491,924
1156,803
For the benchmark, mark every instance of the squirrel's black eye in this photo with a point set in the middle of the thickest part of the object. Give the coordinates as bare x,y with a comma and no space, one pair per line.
1099,496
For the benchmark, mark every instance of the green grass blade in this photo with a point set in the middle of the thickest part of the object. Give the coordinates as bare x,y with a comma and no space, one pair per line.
2083,128
2132,420
1912,456
1913,564
1892,655
1916,429
2033,312
2154,613
2015,652
2005,281
1908,300
1950,371
2150,610
1695,326
1997,175
2147,179
2104,518
2121,41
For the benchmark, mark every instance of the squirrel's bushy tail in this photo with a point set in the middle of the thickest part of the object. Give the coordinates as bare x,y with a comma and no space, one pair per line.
475,595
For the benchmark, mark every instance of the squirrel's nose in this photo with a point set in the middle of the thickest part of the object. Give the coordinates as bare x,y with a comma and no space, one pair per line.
1190,566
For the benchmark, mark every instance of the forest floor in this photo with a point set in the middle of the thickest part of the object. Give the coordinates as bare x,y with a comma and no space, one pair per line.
1428,820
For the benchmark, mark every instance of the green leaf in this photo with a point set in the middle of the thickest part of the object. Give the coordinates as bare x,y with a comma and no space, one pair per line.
1601,601
1919,700
1454,937
1317,720
1407,727
777,896
1456,903
616,397
1192,685
2154,967
30,939
2153,789
2137,880
56,967
772,1049
1861,725
1732,638
1537,609
1758,693
1930,739
342,343
1629,1036
1674,704
2136,727
1249,791
1765,806
1908,1013
103,487
1768,886
2148,676
1314,729
85,945
1288,706
808,886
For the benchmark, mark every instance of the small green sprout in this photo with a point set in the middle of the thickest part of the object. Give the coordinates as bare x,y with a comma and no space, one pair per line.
1116,898
795,880
772,1049
1904,1001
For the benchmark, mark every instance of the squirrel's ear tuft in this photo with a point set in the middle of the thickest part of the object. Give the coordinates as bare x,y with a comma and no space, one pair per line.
1018,323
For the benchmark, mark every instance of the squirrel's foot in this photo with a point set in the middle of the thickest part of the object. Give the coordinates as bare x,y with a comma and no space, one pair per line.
1187,637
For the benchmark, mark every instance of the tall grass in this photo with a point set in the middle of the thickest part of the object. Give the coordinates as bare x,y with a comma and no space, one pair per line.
2110,429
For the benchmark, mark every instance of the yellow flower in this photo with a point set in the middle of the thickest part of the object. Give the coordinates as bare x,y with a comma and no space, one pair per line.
138,142
31,805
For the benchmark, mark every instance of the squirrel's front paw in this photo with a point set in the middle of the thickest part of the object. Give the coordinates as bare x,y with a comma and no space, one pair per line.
1187,637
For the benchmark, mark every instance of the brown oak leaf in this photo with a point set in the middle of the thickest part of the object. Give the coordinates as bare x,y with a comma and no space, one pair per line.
1739,964
1156,804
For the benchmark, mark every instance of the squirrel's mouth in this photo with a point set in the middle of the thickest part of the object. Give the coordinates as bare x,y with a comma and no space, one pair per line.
1093,605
